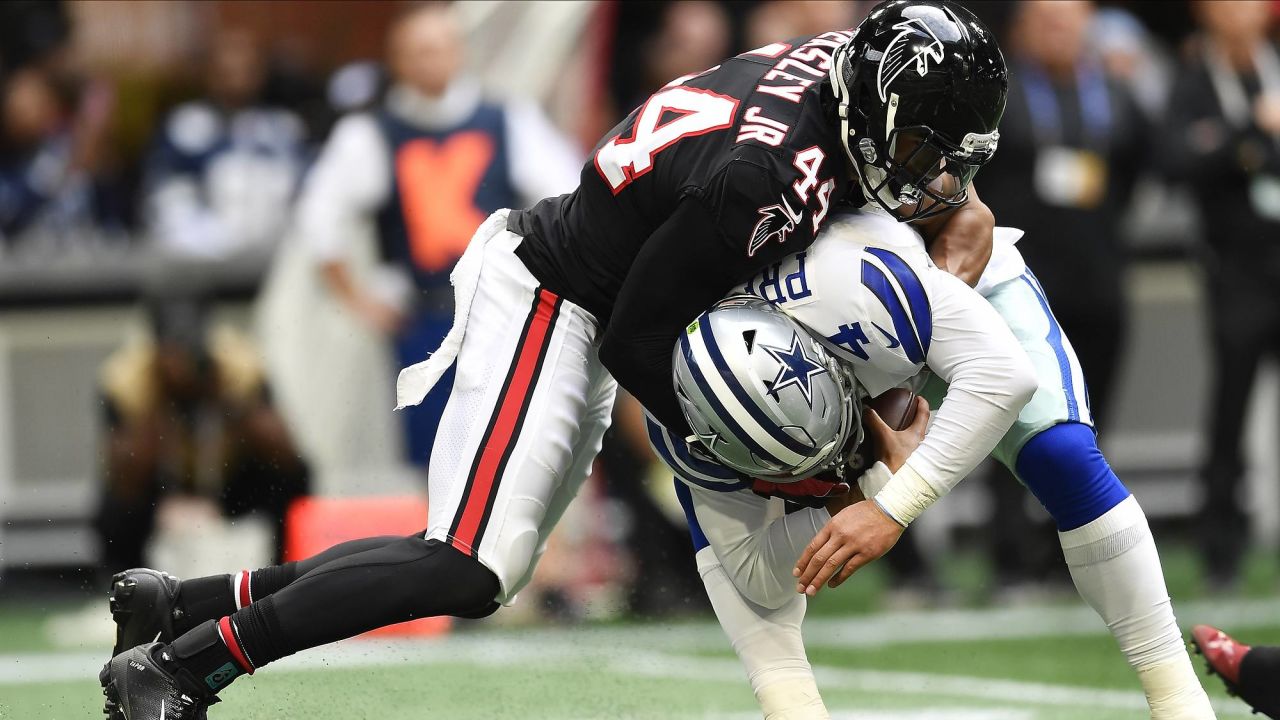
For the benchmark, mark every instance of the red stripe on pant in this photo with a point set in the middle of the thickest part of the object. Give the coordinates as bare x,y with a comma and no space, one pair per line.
503,433
243,590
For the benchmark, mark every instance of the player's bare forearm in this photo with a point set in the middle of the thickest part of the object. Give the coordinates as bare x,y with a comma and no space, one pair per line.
960,241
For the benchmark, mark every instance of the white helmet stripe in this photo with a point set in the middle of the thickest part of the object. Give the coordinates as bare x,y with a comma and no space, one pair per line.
739,414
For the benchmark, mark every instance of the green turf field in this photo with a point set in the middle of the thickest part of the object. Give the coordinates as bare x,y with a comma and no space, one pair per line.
1026,663
1047,662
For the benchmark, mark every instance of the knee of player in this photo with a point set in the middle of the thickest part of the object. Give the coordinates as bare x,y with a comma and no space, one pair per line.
449,581
1066,471
757,580
771,594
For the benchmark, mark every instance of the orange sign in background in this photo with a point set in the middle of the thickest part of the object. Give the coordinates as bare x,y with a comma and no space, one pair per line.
315,524
438,184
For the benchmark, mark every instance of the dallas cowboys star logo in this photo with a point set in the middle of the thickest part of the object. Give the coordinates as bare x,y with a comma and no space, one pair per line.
709,438
795,367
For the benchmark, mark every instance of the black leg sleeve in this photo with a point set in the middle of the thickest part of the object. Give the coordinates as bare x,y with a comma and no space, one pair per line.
270,580
210,598
404,580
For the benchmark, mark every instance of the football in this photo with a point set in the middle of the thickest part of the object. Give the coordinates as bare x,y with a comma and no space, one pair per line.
896,406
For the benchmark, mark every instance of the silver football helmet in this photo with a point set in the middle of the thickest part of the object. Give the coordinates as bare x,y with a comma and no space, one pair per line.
761,394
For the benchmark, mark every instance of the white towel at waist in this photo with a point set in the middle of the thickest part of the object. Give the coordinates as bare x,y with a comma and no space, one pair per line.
416,381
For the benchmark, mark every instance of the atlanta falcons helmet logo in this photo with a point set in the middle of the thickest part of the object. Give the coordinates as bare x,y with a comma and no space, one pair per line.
776,221
915,44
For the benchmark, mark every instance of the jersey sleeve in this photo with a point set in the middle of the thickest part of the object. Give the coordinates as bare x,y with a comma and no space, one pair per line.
891,313
989,380
757,215
681,270
868,304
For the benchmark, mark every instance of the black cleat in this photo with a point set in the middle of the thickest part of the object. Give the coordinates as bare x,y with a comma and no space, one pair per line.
144,606
138,686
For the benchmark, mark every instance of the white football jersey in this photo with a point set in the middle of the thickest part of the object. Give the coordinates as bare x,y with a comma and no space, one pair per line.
869,290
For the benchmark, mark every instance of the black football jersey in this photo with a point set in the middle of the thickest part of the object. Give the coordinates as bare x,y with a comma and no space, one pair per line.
753,140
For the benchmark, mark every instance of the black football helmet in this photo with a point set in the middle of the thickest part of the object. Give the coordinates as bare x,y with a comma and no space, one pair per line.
920,89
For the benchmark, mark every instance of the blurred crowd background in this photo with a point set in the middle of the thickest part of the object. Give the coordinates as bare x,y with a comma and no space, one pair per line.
225,225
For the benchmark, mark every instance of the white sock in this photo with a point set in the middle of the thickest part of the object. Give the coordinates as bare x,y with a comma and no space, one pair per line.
1116,569
769,644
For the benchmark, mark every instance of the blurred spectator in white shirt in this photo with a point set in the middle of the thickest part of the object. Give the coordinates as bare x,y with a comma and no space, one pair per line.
425,168
224,168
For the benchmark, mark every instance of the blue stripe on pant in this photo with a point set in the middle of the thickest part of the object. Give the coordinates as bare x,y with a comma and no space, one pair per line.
675,455
686,502
1055,339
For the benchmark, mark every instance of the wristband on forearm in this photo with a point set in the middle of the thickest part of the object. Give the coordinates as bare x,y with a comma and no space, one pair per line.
905,496
874,479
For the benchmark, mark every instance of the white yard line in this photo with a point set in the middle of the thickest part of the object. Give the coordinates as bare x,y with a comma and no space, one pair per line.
924,713
507,650
1022,622
922,684
894,628
654,650
1014,691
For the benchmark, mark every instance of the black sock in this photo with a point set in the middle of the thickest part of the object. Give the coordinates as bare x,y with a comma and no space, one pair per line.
1260,679
208,657
203,599
270,580
257,630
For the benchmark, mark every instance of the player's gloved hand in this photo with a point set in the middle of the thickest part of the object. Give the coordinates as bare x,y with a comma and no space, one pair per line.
814,492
